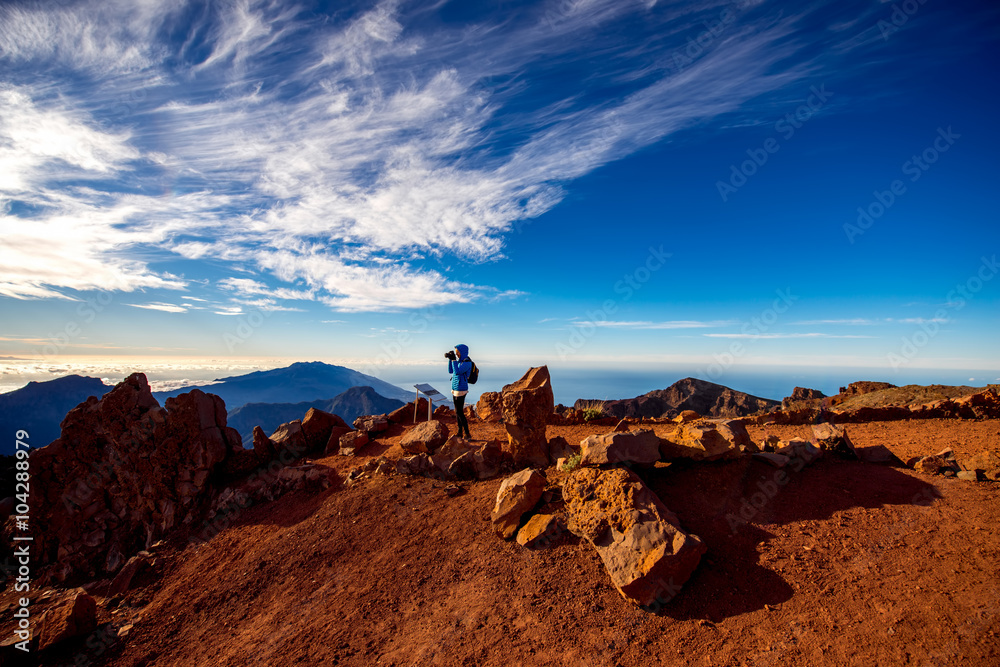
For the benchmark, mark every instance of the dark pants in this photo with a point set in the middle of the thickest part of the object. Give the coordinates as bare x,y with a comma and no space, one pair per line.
463,423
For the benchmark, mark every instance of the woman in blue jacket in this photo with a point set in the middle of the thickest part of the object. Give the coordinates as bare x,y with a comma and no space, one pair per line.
459,366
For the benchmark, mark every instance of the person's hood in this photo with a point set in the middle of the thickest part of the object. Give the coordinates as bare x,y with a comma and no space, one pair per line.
463,350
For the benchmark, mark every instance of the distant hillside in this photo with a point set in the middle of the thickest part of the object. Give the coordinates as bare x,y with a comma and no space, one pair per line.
705,398
911,394
303,381
349,405
39,408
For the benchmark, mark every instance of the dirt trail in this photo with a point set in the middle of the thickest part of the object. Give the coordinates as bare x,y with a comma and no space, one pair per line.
841,563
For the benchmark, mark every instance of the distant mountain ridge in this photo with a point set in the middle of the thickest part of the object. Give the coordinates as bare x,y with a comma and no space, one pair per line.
348,405
39,408
300,382
706,398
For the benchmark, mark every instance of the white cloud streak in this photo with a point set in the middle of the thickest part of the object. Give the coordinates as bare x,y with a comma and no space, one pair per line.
345,155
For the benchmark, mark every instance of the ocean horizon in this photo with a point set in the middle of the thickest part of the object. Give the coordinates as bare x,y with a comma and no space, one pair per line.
569,383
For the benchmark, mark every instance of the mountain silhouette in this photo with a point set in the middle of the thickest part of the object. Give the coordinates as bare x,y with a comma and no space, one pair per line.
39,408
348,405
705,398
300,382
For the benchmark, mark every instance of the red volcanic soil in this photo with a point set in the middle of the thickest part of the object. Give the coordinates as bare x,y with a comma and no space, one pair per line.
843,563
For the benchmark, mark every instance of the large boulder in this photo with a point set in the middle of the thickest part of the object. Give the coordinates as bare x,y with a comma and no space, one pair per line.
706,441
404,415
73,616
123,473
518,495
641,447
352,442
317,425
490,406
527,406
424,438
289,441
644,550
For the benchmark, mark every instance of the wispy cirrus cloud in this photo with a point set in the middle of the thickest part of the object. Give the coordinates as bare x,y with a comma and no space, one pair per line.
673,324
165,307
777,336
337,159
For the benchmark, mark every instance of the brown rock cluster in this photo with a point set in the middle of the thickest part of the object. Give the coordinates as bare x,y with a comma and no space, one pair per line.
983,466
125,472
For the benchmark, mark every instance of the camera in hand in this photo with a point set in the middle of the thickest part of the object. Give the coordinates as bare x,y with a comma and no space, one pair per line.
450,354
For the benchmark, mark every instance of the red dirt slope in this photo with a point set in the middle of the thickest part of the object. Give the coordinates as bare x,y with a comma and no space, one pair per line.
845,564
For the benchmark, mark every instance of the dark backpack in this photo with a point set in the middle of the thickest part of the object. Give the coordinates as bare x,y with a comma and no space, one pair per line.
474,373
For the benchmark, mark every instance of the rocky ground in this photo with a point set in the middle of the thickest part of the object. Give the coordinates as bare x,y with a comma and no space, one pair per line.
840,563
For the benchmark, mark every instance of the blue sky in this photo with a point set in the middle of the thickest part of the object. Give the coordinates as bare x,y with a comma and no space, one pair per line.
710,185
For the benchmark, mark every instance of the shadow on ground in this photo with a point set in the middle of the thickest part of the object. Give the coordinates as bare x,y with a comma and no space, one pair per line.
729,506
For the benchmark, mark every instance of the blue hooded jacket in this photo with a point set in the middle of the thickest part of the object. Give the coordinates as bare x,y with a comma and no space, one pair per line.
460,369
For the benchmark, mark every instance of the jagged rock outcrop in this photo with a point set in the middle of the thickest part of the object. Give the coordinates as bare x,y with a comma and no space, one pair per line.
527,406
644,550
802,397
705,398
124,472
864,387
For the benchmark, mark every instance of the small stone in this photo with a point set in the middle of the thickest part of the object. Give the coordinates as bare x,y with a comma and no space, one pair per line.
776,460
968,475
540,531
